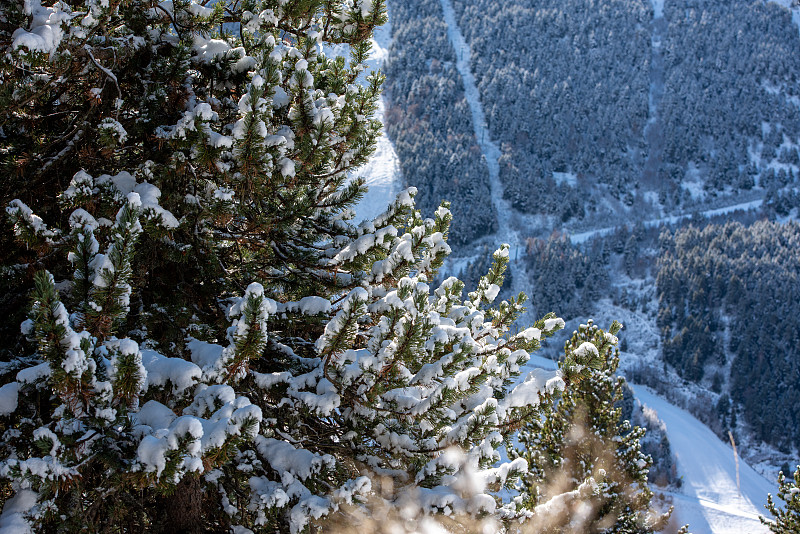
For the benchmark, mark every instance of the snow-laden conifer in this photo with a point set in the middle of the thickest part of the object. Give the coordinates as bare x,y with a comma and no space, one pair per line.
586,469
212,344
786,518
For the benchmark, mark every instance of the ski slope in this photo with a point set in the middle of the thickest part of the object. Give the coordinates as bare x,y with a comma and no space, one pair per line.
489,149
382,173
709,499
509,221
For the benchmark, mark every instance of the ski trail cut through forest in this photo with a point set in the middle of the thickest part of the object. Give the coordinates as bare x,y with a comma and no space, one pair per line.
521,280
653,131
489,149
582,237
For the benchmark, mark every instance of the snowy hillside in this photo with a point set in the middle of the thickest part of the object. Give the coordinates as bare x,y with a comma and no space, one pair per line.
709,499
714,497
719,494
382,172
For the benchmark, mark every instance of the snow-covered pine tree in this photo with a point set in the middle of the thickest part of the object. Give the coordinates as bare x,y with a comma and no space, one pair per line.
786,519
211,344
581,436
228,112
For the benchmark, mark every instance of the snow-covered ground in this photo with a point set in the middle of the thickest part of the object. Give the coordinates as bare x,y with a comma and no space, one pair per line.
381,175
652,130
710,499
658,8
569,178
582,237
382,172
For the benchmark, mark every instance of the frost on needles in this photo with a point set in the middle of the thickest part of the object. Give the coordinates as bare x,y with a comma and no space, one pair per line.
210,343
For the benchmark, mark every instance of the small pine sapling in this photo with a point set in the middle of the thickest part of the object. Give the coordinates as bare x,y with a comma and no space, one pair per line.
787,518
581,445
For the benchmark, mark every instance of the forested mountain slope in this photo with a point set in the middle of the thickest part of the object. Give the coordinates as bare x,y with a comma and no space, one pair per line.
629,115
604,108
730,92
565,86
429,122
730,293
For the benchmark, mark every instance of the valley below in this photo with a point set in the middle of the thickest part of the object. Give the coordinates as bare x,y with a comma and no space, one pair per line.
616,219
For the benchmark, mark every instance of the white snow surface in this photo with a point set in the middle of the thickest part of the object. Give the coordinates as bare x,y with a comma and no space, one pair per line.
45,33
382,172
490,150
569,178
13,521
163,371
9,394
658,8
709,499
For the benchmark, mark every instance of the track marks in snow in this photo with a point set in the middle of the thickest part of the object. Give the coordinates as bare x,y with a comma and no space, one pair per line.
506,233
582,237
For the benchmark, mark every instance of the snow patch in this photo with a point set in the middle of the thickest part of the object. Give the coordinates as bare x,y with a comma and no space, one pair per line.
658,8
9,396
381,174
13,519
568,178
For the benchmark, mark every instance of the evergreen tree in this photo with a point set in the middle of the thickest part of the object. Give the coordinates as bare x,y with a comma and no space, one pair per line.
211,344
580,444
230,122
787,520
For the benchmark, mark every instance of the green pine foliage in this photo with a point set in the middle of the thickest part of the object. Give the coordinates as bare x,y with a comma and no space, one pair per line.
211,344
787,518
585,462
246,140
